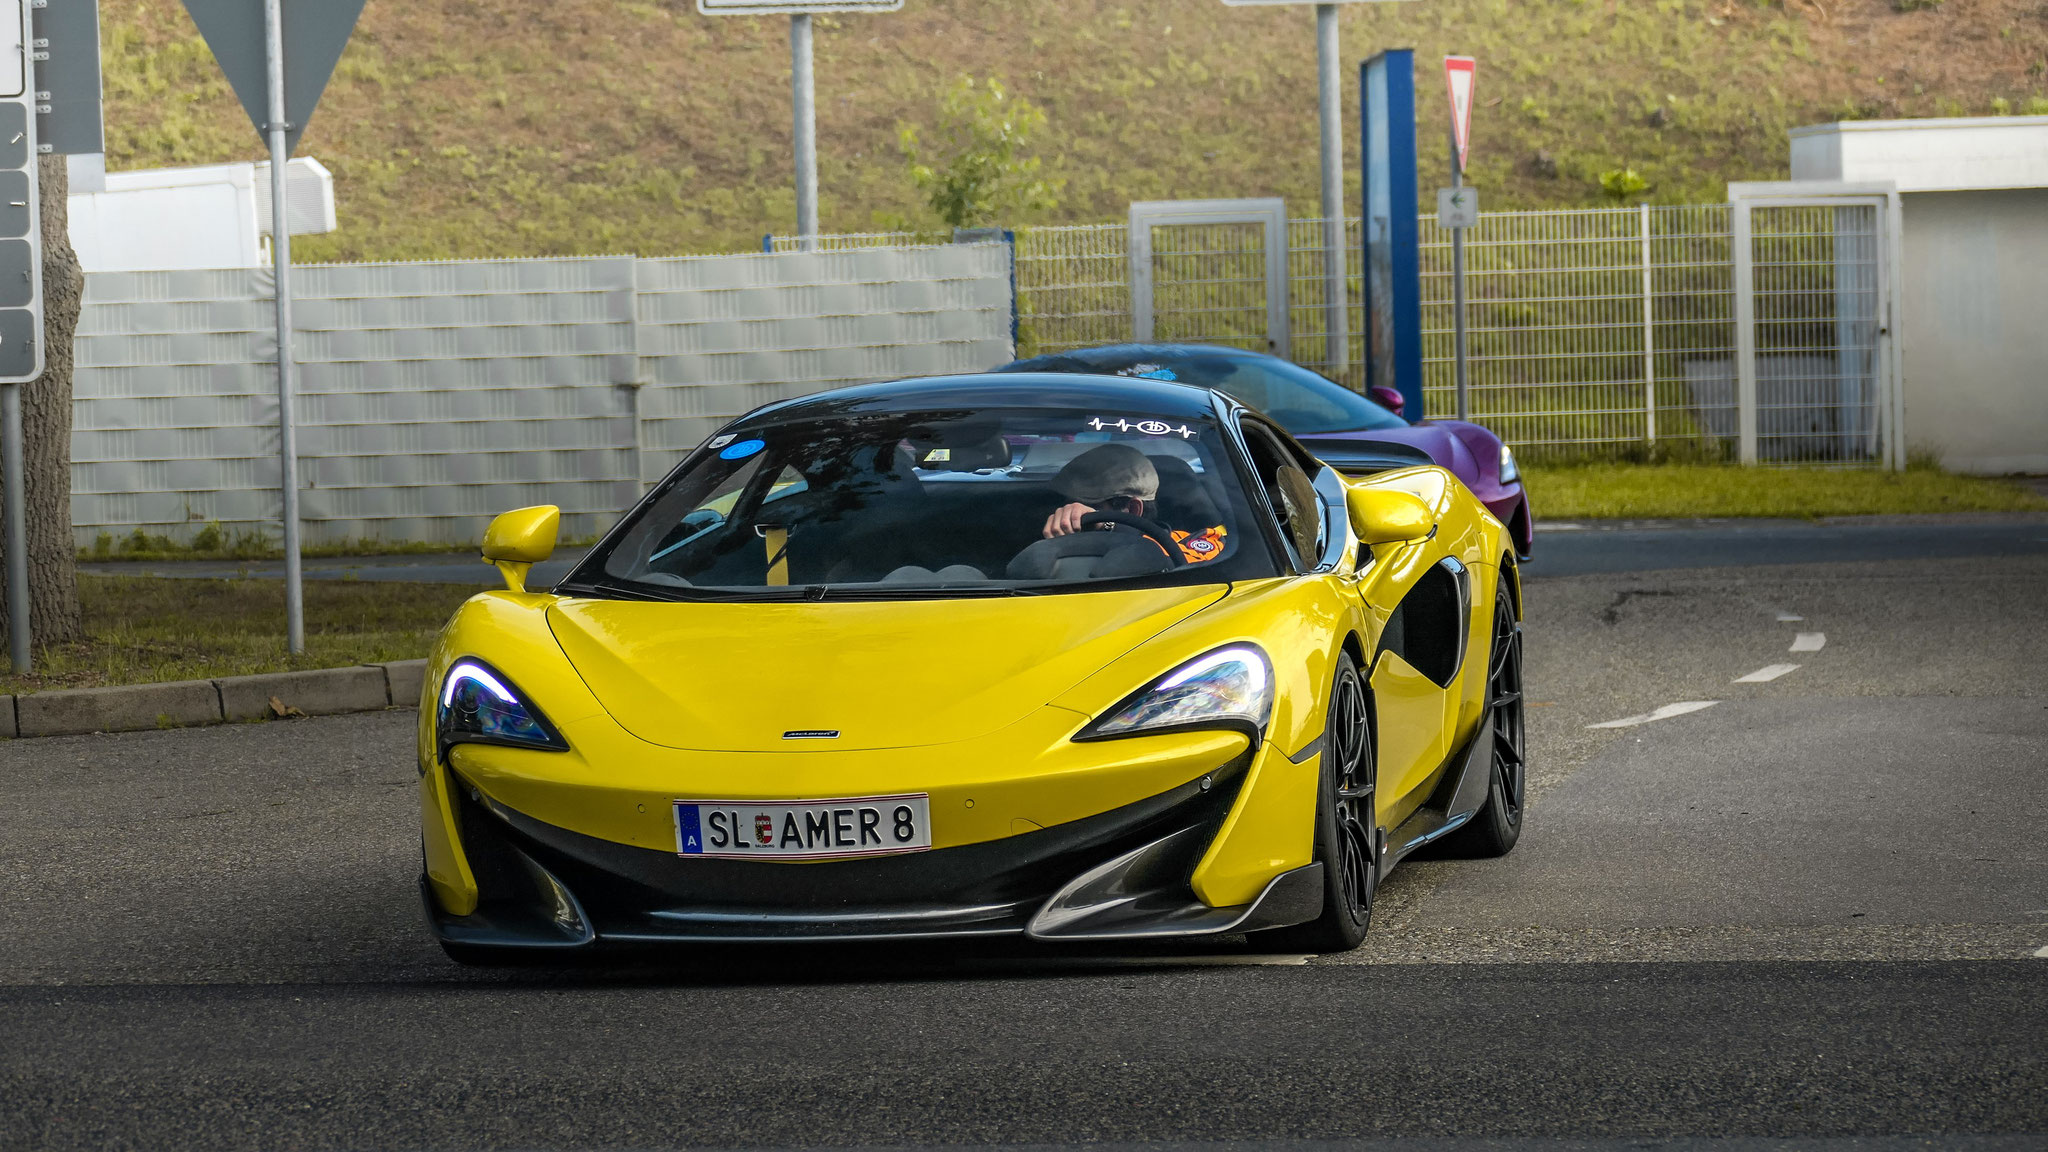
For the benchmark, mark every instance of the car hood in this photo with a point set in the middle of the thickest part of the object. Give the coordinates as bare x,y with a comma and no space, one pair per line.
890,674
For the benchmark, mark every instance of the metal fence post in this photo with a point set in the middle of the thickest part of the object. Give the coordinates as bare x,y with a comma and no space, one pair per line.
634,384
1743,254
1649,339
1139,251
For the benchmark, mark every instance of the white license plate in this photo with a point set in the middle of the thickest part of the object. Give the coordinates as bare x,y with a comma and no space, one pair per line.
804,829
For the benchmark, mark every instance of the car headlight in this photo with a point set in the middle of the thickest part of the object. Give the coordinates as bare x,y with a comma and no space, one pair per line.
1509,473
480,706
1229,688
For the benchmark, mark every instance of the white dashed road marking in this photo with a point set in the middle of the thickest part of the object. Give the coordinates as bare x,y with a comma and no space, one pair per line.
1766,675
1664,713
2041,953
1809,642
1789,618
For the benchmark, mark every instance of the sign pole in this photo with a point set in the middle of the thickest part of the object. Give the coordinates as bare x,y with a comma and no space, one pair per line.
281,254
1458,290
1336,302
804,100
21,301
1463,210
19,653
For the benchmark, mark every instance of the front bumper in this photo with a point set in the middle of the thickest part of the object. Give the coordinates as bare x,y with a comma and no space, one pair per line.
1120,874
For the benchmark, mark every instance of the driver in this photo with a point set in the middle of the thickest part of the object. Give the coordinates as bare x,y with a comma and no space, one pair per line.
1119,478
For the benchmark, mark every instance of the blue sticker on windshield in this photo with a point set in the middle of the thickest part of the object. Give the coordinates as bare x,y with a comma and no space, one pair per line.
1148,372
742,450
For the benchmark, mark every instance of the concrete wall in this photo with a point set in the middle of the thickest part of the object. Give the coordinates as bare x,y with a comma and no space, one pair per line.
1974,300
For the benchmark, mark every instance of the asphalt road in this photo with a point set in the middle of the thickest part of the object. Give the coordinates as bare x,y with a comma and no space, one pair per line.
1810,914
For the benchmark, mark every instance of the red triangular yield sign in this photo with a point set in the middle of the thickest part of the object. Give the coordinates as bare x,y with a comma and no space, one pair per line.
1458,81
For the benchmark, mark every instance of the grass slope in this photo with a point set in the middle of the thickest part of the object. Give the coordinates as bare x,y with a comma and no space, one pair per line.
579,126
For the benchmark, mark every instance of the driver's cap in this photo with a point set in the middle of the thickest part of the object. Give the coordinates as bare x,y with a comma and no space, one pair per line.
1105,472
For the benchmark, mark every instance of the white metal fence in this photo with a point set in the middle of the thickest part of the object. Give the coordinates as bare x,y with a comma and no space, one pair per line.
435,395
1594,331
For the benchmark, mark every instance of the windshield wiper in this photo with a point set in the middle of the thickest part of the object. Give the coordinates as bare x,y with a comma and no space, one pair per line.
917,592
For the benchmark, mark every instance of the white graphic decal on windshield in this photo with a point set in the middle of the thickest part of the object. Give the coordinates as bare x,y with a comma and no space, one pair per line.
1148,427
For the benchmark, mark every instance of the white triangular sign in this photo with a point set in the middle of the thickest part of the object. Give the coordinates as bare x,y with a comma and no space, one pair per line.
1458,72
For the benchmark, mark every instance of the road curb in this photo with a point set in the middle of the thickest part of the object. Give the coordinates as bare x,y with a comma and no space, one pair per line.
191,703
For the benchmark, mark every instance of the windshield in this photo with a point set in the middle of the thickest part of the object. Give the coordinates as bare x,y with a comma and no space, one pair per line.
934,504
1297,399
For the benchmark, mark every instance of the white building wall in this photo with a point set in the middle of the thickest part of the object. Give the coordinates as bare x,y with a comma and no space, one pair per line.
1976,344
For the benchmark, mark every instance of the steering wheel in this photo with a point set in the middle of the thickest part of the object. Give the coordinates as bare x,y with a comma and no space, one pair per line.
1158,532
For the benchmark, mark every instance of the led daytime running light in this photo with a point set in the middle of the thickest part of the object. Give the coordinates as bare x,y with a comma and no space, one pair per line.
470,670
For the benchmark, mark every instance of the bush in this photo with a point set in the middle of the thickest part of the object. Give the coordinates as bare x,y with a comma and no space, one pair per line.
1621,183
974,167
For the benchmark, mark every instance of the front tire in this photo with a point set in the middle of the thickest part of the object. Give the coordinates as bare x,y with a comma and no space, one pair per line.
1347,833
1497,825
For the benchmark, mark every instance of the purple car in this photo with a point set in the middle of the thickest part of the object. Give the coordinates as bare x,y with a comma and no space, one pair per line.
1347,431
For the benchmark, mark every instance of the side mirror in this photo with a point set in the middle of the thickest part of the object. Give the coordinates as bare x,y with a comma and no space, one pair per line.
521,538
1380,516
1388,398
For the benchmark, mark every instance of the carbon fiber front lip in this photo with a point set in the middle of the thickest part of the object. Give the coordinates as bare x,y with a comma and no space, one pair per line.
629,894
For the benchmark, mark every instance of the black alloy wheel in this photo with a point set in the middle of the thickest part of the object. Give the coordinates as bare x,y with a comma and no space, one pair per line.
1497,825
1347,827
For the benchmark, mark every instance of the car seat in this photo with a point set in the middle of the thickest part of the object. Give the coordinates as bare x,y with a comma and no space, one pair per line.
1184,502
1089,555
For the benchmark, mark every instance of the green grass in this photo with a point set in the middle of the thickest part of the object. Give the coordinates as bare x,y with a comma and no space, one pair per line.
211,543
141,630
1659,491
525,128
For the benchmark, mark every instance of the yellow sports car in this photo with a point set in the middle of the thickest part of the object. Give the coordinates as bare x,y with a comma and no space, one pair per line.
1062,657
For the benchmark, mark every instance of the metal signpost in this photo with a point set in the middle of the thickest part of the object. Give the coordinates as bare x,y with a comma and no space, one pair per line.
278,56
21,302
802,85
1457,208
1330,94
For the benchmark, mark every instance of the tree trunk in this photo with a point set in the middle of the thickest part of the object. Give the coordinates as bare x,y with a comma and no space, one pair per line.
46,427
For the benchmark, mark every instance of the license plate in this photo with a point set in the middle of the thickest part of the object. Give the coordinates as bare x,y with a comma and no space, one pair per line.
804,829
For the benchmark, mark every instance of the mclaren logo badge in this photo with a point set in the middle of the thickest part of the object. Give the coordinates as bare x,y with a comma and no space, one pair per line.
812,734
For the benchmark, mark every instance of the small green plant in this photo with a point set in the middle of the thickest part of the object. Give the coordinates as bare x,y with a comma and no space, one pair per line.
973,167
2035,106
207,539
1621,183
1914,5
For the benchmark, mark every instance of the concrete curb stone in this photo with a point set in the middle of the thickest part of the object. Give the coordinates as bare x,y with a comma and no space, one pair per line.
129,708
315,692
182,703
407,679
